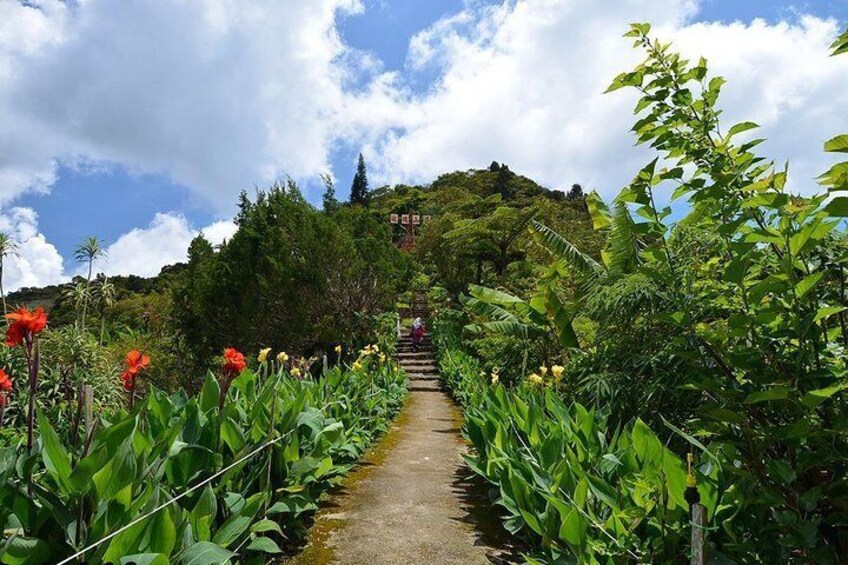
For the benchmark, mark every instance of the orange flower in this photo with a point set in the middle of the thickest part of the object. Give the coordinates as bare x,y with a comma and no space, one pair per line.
134,362
233,363
25,325
5,387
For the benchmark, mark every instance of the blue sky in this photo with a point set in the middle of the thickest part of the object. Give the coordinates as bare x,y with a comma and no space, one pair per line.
113,196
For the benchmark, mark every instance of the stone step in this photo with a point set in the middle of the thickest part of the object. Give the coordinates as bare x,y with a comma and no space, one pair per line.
425,388
419,368
407,356
419,376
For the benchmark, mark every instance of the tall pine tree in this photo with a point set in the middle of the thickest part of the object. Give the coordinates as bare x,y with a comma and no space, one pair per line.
359,188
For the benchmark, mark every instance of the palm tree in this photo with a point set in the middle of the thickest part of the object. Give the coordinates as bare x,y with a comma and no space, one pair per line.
8,247
87,252
106,294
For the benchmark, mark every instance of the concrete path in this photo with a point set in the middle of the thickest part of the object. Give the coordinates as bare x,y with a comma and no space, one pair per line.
412,501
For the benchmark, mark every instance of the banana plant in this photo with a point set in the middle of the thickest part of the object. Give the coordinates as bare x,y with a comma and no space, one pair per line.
534,322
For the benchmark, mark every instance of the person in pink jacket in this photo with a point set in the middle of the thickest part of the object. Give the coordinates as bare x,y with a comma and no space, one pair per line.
417,333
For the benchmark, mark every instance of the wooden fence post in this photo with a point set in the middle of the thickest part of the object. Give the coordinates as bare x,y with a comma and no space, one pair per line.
699,534
88,403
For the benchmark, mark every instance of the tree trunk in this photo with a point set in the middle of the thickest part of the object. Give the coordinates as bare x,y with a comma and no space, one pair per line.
87,291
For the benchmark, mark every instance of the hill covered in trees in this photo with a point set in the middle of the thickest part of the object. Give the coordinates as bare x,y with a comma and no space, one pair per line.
299,278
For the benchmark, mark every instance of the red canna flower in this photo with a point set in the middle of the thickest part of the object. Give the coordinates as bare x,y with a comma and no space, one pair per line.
233,363
5,387
25,325
134,363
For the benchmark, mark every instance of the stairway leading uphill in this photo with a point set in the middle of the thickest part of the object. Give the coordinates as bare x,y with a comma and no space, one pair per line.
420,365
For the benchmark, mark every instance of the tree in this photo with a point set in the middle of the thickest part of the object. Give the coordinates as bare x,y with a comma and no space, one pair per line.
503,184
8,247
359,188
575,192
330,204
106,296
87,252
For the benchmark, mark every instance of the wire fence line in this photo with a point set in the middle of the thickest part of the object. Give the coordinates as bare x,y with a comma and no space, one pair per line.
143,517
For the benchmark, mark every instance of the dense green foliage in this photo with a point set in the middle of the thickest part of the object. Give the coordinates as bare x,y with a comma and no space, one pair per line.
83,490
724,329
571,483
292,278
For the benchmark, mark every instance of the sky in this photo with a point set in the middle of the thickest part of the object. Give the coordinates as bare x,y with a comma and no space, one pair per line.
140,122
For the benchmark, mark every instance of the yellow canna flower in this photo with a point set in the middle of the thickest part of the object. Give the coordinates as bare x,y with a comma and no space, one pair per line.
557,371
376,348
295,372
535,379
282,357
382,357
357,365
495,379
496,370
263,354
338,350
543,370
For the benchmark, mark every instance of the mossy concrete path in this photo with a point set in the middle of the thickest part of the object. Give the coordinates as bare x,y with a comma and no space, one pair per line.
413,500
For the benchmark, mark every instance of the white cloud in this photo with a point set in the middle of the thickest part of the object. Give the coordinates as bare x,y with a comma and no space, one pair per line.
522,83
144,251
216,94
141,251
37,262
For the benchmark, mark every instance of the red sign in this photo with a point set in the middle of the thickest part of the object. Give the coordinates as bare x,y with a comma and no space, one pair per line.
404,219
393,218
416,219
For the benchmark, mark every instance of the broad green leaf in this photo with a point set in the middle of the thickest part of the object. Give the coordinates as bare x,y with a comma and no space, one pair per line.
647,446
775,393
205,553
807,284
145,559
781,471
840,46
209,393
739,128
561,247
838,144
56,459
265,545
266,526
816,397
236,525
26,551
838,207
203,514
601,217
827,312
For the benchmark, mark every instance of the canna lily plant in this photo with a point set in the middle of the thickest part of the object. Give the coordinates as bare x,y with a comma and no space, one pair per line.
23,330
134,363
231,367
5,389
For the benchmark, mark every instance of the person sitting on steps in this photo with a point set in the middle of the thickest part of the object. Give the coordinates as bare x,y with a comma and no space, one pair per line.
417,333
